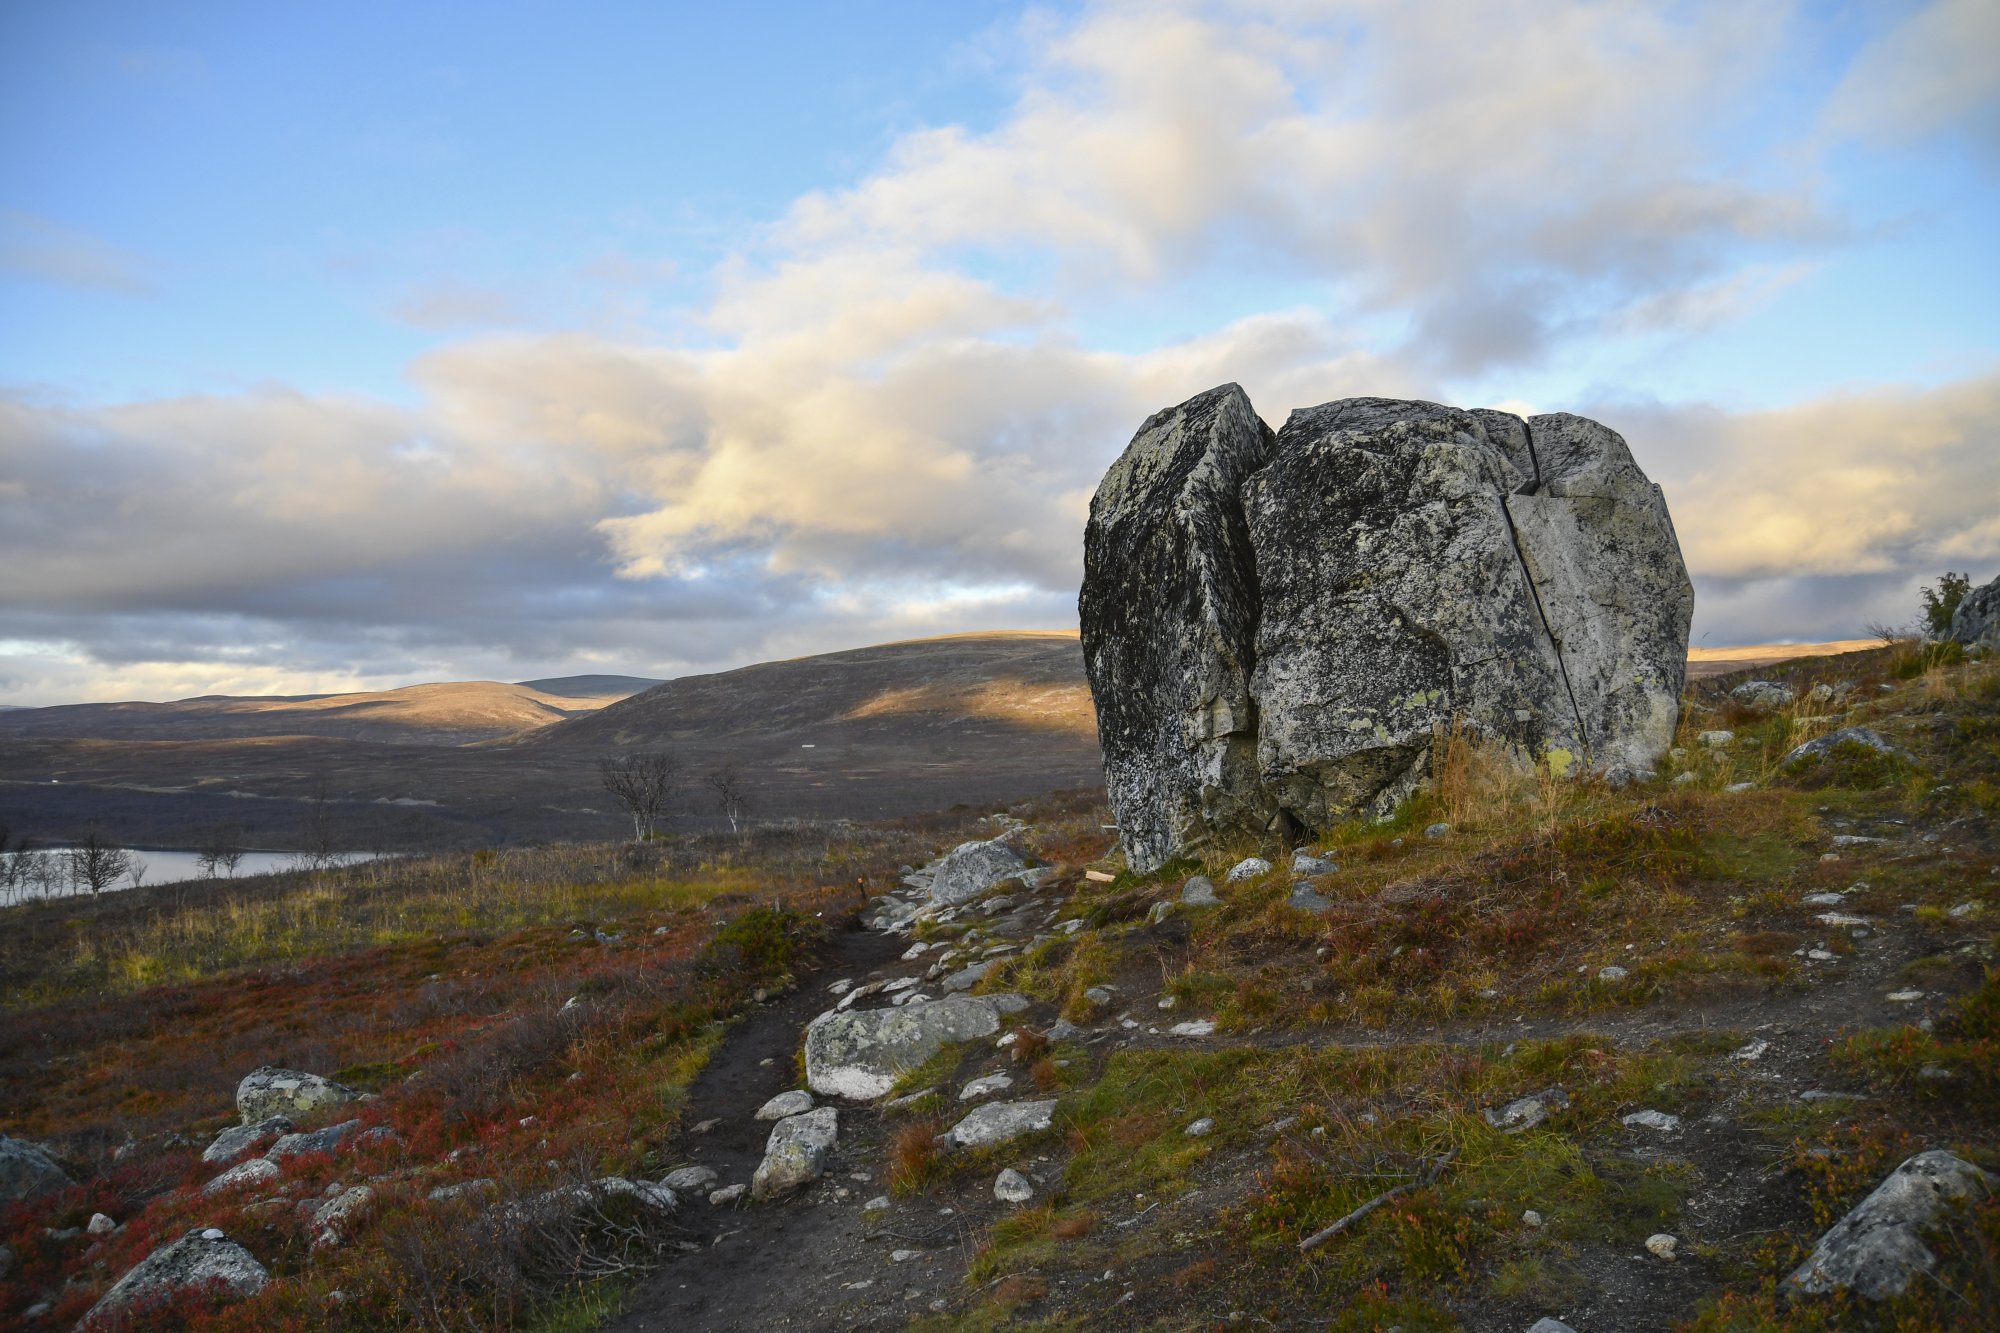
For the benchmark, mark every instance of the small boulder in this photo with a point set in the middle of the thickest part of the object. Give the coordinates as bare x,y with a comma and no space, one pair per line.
1524,1113
971,870
1201,1128
1819,747
99,1225
1194,1027
796,1153
1612,975
327,1140
233,1142
1306,864
203,1260
1002,1122
1662,1245
243,1175
1199,891
269,1091
28,1170
1716,740
1437,830
1546,1324
1010,1186
690,1180
333,1222
861,1054
1763,694
728,1194
1659,1120
1308,899
1877,1248
967,977
796,1102
1248,868
985,1087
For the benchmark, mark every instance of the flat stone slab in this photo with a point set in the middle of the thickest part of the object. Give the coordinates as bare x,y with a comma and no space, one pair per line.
1002,1122
860,1054
796,1102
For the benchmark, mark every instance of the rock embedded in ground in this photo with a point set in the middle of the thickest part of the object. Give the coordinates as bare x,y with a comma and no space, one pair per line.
1201,1128
236,1140
985,1086
1304,864
1548,1324
795,1102
967,977
203,1260
1878,1248
1248,868
1276,626
334,1222
269,1091
796,1153
1763,694
1010,1186
1199,891
860,1055
1659,1120
1820,746
728,1194
1525,1113
327,1140
971,870
690,1179
1308,899
1715,740
99,1225
28,1170
1662,1245
1002,1122
243,1175
1194,1027
446,1193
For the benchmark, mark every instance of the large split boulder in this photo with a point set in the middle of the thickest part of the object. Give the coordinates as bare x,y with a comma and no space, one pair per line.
1277,627
1977,620
204,1260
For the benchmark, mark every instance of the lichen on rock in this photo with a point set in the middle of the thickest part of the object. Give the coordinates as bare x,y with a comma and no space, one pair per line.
1277,626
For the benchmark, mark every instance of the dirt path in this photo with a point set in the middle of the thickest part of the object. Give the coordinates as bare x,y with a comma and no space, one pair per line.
790,1266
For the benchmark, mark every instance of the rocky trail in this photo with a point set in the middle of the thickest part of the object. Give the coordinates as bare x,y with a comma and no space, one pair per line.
844,1253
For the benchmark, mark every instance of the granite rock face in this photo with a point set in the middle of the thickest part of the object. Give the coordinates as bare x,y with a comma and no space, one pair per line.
1977,620
1277,627
1170,609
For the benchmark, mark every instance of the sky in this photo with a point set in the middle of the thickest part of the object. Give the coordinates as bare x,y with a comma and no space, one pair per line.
344,347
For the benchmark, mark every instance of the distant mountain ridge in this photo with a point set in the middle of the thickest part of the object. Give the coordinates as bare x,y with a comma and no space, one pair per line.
444,713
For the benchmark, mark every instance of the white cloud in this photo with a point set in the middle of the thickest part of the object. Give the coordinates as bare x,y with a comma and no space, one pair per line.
47,251
894,425
1935,71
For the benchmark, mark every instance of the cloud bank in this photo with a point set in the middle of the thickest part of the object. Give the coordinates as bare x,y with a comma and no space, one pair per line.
903,391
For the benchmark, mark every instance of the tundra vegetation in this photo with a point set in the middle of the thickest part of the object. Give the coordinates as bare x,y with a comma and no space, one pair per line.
1709,945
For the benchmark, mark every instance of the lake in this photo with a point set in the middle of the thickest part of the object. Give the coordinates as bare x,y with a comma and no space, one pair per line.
162,866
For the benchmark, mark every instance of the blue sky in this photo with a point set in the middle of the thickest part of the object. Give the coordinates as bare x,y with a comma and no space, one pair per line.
349,347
